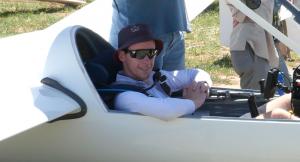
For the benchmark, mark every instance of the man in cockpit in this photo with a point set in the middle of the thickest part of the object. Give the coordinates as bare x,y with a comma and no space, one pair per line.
137,49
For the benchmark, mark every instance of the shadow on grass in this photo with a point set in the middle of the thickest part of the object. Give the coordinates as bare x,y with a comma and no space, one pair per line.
213,7
225,62
37,11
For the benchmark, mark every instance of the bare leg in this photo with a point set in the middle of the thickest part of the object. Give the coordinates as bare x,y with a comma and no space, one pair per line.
279,109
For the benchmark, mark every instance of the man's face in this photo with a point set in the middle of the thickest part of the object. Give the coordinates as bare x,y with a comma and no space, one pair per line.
137,68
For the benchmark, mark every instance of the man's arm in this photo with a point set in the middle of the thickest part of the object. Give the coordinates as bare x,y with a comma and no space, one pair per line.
180,79
265,10
161,108
197,92
236,14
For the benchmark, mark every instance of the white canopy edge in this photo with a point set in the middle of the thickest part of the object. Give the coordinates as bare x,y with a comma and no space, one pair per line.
46,104
25,102
195,7
71,2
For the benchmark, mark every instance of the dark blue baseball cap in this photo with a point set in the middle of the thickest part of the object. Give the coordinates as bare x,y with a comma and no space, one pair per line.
134,34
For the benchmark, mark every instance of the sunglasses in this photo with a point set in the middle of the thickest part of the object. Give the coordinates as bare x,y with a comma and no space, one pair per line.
142,53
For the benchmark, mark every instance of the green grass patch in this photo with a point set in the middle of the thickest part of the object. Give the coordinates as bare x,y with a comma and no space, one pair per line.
203,48
295,60
21,17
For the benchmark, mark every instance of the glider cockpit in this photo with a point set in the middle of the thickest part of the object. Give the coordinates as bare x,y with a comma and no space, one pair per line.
98,59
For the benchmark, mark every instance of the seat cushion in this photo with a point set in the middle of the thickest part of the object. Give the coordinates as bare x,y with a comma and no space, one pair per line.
98,74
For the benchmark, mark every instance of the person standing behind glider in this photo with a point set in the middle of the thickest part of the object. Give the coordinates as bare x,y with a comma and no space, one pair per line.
167,21
252,49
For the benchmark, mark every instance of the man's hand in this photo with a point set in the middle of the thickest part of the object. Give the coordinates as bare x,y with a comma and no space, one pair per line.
197,92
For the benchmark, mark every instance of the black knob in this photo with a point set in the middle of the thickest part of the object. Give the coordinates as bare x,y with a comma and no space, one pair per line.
252,106
262,85
253,4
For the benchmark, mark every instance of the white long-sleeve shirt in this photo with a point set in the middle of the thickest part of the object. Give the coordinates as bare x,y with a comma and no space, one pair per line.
160,105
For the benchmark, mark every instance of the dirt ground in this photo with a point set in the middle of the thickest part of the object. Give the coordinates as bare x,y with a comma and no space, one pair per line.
235,81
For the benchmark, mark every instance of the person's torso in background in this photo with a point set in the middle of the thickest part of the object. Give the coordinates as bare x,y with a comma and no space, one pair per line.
162,16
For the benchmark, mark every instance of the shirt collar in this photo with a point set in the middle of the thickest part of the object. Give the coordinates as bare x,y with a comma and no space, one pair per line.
121,77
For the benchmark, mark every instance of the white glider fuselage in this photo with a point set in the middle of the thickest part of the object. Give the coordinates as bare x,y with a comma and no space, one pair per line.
108,135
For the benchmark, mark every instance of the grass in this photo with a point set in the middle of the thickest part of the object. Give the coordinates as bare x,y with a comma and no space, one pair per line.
20,17
295,60
203,48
